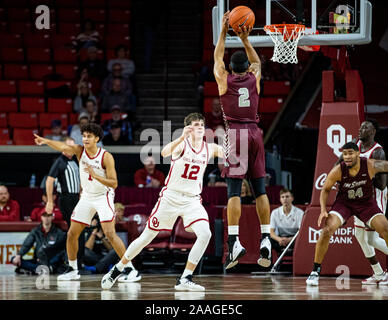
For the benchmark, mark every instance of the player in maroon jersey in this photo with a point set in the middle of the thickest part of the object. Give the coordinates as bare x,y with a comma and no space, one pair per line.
244,148
355,197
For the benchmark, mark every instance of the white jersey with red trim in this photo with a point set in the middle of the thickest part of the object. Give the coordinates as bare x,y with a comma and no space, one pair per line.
368,153
380,195
186,171
88,184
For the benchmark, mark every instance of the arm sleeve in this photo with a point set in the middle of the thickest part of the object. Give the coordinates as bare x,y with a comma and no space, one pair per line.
14,213
28,243
54,170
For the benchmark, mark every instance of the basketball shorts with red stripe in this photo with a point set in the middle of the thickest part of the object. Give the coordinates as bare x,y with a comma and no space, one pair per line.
363,210
89,204
246,156
171,205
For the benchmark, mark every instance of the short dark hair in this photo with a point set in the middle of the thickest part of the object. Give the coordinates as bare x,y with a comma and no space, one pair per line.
350,145
94,129
92,101
374,123
195,116
239,61
119,47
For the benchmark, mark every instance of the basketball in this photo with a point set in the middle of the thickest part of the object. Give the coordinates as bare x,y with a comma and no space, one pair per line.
241,16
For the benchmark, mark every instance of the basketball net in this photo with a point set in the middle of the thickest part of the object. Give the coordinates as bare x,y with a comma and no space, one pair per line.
286,38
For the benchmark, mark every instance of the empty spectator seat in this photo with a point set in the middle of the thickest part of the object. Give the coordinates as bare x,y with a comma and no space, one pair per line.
3,120
65,55
4,137
94,3
118,29
276,88
20,27
73,118
19,14
59,105
11,41
24,136
112,41
15,71
95,14
270,104
68,15
8,104
69,28
67,3
37,40
22,120
68,71
40,71
38,55
31,88
62,40
182,240
31,104
210,89
7,87
12,55
46,118
119,4
119,16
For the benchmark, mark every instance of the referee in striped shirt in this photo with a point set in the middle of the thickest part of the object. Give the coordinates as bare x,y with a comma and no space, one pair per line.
65,170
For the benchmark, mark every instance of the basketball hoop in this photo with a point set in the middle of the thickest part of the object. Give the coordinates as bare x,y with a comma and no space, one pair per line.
285,38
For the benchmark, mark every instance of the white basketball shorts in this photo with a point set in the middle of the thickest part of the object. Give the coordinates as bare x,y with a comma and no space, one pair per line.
381,200
89,204
171,205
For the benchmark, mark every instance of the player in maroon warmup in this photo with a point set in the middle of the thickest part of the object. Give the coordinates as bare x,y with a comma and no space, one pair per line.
355,197
244,148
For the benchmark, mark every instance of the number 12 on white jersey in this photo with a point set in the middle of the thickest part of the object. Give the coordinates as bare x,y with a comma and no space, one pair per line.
243,99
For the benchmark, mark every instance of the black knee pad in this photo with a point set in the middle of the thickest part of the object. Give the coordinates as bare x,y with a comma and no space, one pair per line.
234,187
258,186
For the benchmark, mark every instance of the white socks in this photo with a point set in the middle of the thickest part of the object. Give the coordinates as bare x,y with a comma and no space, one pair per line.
120,266
377,269
233,230
73,264
186,273
265,228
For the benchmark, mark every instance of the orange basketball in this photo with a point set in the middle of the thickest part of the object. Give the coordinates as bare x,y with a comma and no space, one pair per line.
241,16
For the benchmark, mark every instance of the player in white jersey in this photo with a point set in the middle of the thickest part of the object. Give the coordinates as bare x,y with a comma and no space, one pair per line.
98,181
367,238
180,197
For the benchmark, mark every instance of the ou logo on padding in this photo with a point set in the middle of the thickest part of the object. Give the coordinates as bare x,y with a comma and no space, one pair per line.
336,137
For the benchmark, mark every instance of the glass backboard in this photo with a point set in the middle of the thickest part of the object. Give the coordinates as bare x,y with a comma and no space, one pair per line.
328,22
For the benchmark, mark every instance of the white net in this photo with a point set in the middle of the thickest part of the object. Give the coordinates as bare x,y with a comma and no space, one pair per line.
285,38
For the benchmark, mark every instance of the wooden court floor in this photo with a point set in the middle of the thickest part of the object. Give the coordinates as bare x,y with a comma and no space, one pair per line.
161,287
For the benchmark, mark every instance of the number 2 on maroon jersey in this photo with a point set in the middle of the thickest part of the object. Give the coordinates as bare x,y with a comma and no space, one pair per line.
193,173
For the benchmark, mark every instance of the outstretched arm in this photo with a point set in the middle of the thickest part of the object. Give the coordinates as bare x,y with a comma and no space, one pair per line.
220,73
253,57
59,146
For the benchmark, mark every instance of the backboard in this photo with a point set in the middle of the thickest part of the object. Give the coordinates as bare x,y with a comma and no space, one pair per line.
328,22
